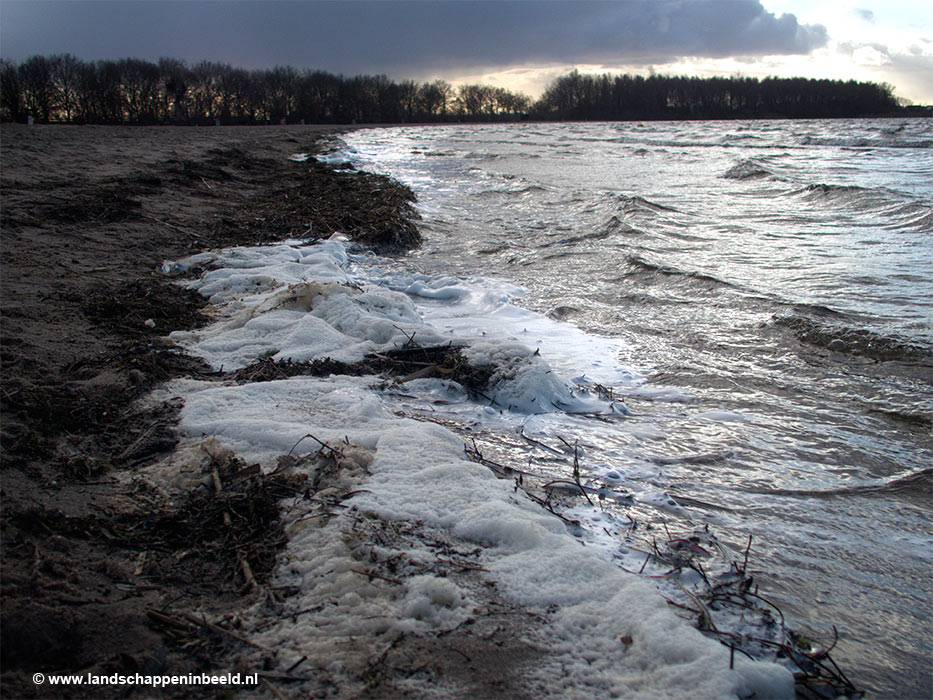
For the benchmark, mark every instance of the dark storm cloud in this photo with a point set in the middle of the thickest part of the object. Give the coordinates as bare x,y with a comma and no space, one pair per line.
404,38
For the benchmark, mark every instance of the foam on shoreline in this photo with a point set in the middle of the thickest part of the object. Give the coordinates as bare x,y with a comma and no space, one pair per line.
609,633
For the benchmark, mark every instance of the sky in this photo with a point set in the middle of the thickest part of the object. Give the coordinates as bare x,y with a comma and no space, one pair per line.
520,45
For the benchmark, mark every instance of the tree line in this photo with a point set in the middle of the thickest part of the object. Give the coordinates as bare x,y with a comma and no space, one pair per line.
65,89
619,97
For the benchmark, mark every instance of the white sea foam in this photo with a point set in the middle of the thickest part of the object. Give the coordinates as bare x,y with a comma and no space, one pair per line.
419,473
312,301
296,301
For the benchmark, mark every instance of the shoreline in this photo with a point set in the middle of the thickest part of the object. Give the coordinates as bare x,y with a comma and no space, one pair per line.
88,215
105,569
108,570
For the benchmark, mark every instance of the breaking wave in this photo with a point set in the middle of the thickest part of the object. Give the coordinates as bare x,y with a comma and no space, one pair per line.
844,195
750,169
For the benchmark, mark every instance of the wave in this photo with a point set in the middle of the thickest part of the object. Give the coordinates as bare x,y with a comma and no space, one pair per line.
640,205
917,484
886,140
821,310
697,459
517,190
838,194
849,340
914,217
625,216
501,248
750,169
902,212
911,418
626,205
743,139
597,235
482,156
647,271
614,226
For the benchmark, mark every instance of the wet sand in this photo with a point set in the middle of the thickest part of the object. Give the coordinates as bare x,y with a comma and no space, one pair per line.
88,215
101,572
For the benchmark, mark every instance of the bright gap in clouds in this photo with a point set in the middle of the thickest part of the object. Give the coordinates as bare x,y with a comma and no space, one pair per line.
888,42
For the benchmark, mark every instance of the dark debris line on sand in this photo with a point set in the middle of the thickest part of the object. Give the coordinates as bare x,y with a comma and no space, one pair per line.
89,563
403,364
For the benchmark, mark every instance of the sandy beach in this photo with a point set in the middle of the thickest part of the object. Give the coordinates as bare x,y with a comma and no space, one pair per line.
101,574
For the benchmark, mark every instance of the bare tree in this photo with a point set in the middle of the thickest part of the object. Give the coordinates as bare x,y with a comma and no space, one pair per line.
38,91
175,79
11,96
141,88
65,88
66,78
435,98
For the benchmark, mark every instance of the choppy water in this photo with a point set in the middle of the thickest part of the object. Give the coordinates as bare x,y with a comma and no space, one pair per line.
772,282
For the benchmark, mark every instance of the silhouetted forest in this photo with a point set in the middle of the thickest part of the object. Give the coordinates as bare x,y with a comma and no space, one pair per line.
65,89
620,97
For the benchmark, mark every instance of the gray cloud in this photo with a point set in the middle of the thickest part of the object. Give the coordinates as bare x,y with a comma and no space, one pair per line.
866,15
405,38
909,69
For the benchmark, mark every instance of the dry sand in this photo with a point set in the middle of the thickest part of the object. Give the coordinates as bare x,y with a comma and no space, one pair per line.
88,214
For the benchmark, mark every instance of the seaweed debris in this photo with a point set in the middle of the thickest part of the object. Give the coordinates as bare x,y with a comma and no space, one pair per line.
706,582
268,369
219,165
374,210
83,320
87,403
229,526
219,541
402,365
144,307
